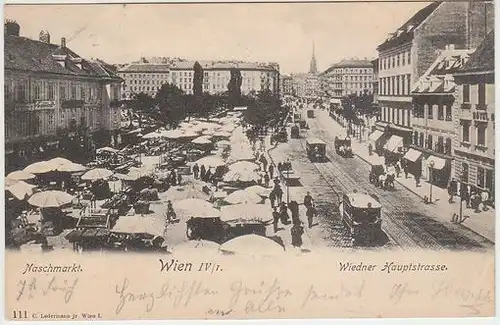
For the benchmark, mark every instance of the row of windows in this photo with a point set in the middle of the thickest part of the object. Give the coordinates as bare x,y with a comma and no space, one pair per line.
485,178
444,112
481,95
395,85
143,76
19,91
352,70
397,60
441,145
396,116
479,128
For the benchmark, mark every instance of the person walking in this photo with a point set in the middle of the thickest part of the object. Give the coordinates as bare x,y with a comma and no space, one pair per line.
279,193
266,180
484,199
203,171
263,160
93,201
208,176
294,209
179,179
271,170
196,170
276,219
308,200
311,213
285,218
296,231
272,198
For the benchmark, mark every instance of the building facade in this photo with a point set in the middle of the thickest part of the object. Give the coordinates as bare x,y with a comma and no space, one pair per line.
431,154
407,53
287,85
54,99
474,122
350,76
149,77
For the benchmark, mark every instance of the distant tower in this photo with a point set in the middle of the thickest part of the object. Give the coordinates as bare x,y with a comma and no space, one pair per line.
313,67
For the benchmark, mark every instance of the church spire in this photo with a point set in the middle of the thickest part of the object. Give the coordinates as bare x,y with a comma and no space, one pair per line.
313,66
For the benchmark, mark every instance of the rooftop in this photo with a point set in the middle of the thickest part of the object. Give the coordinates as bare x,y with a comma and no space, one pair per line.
405,32
351,63
483,59
181,64
25,54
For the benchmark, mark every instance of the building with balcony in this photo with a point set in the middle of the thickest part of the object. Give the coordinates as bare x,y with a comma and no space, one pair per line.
430,154
474,120
55,100
350,76
287,85
148,77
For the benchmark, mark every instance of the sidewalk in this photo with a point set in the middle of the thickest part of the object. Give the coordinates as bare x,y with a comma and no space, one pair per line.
482,223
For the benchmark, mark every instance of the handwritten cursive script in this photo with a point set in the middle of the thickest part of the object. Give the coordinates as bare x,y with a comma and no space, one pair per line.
29,288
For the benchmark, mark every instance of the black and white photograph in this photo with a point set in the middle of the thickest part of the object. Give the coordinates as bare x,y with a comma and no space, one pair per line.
254,131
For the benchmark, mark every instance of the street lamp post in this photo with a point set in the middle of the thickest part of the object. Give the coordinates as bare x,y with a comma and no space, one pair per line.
431,165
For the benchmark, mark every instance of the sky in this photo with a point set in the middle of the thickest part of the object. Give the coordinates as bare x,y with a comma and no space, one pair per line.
278,32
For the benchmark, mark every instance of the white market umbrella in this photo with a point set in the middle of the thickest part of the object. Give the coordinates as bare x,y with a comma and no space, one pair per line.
223,143
21,189
172,134
71,168
197,211
59,161
244,166
247,212
188,134
241,176
50,199
211,161
140,225
97,173
106,149
40,167
259,190
188,204
222,134
152,135
252,245
202,140
20,175
242,196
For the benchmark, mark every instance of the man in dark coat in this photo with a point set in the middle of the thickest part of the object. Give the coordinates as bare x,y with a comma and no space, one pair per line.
279,193
208,176
308,200
310,213
294,209
202,172
271,170
284,214
296,231
196,170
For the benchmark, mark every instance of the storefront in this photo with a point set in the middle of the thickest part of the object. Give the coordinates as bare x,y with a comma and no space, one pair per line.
393,149
413,160
437,170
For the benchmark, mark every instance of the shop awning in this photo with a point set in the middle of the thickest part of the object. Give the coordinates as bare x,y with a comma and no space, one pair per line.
439,163
376,135
394,143
412,155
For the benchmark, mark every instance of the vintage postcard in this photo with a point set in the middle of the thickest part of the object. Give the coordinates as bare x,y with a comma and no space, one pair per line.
249,160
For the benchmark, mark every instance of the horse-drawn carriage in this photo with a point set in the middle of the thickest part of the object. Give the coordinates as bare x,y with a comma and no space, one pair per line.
316,149
343,145
380,178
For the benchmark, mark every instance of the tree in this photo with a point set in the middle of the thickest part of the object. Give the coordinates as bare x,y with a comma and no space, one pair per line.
171,103
234,87
263,110
197,106
142,102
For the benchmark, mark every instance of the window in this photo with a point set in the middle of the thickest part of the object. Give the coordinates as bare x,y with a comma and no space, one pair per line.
440,112
481,134
62,92
408,117
415,138
466,93
403,59
480,177
429,141
409,57
393,86
397,60
440,145
447,149
447,109
421,139
465,173
430,111
408,84
397,111
83,93
481,96
73,92
37,91
490,179
465,131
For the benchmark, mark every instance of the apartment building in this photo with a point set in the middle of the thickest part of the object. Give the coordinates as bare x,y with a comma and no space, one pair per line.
474,120
350,76
52,95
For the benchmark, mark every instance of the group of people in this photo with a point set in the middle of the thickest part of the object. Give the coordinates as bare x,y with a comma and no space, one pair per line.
474,198
205,174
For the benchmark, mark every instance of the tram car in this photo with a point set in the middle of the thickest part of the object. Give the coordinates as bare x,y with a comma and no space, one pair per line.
361,215
343,145
316,150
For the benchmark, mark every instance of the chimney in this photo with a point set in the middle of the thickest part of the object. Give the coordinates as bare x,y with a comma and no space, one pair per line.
44,37
11,28
63,42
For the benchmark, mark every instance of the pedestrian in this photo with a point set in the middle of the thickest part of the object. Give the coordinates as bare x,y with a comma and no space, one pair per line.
308,200
468,195
276,219
451,192
179,179
397,167
93,201
263,160
484,199
417,180
208,176
279,193
266,180
173,180
284,214
294,209
202,172
405,168
271,170
310,213
370,149
296,231
196,170
280,167
272,198
276,181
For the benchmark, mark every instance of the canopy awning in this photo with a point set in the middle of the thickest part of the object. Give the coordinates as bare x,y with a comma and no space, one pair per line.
412,155
376,135
394,143
439,163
